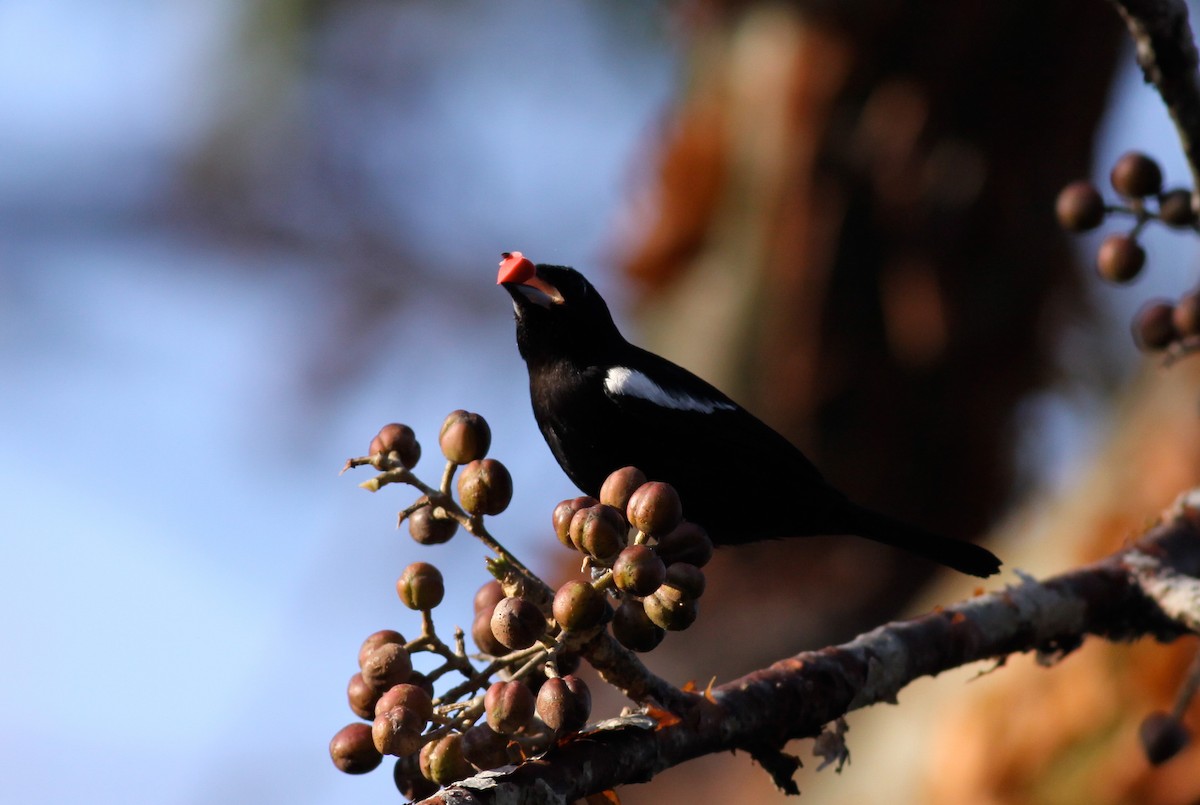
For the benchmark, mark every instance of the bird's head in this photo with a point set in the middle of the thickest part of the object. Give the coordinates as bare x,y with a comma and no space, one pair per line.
558,312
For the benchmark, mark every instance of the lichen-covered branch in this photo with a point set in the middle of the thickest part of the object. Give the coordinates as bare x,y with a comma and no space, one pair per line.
1148,590
1167,55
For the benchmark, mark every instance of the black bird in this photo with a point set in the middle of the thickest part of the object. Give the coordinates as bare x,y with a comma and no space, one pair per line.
603,403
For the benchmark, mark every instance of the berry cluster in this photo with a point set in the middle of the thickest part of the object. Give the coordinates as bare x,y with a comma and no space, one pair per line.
641,551
519,691
1138,179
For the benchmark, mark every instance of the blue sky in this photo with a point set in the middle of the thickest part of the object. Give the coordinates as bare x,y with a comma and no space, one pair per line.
186,578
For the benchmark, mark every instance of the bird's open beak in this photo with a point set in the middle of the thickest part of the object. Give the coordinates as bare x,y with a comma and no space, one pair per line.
518,273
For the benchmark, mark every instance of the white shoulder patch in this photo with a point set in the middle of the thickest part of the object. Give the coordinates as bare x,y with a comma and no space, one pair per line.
620,381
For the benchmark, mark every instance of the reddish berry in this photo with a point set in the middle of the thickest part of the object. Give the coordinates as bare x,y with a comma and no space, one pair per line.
1120,258
353,751
518,623
655,509
397,444
485,487
579,606
465,437
1136,175
508,706
1079,207
420,586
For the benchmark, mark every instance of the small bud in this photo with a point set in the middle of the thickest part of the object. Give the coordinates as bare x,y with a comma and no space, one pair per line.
413,697
1120,258
465,437
619,487
564,703
655,509
386,666
579,606
362,697
669,608
1136,175
395,443
420,586
442,761
599,531
563,513
633,629
508,707
353,751
688,543
376,640
1079,207
1175,208
411,784
638,570
1162,737
1154,326
487,596
485,487
518,623
429,530
398,731
485,748
688,579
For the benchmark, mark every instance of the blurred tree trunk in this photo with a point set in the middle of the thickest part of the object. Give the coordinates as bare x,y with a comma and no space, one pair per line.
850,229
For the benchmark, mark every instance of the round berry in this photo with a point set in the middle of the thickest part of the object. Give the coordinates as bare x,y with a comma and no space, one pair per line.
655,509
1120,258
619,487
376,640
564,703
1154,326
386,666
484,637
411,784
563,513
508,706
408,695
398,731
518,623
688,543
427,529
484,748
465,437
1186,315
633,629
1136,175
599,531
420,586
638,570
353,751
442,761
362,697
579,606
487,596
1079,207
397,444
686,578
1175,208
669,608
1162,737
485,487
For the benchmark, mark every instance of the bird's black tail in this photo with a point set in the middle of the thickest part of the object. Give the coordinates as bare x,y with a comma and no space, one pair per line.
961,556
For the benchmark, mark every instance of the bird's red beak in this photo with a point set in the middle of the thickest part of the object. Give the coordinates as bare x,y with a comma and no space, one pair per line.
517,269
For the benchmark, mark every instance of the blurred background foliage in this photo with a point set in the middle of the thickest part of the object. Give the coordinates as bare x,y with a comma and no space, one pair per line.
236,238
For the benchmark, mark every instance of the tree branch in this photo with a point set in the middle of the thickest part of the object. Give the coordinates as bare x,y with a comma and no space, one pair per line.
1167,55
1150,589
